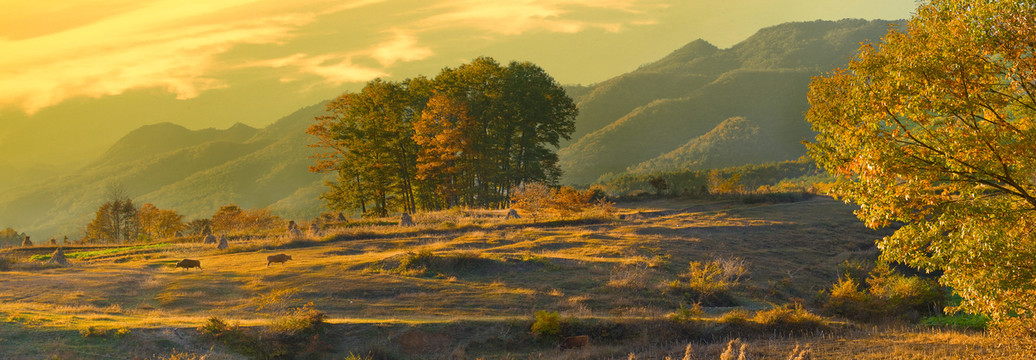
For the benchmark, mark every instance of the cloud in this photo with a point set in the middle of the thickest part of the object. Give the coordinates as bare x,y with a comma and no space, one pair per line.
401,48
335,69
177,45
172,45
514,17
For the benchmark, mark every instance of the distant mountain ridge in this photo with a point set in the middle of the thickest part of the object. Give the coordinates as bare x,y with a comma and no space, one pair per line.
191,171
697,108
632,119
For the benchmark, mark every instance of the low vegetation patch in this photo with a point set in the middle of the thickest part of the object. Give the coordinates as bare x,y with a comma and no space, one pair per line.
86,255
298,333
885,294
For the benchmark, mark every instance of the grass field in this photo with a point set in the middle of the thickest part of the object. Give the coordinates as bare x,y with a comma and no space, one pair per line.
466,284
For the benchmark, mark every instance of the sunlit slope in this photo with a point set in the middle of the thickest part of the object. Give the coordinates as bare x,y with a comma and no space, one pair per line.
662,106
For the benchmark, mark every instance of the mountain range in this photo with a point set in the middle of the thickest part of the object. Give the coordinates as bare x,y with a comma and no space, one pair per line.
662,115
699,107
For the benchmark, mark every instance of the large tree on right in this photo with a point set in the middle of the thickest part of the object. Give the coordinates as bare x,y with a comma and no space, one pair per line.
934,129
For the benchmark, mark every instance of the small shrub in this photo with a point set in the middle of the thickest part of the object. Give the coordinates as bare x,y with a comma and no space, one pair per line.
788,318
711,283
427,263
685,313
547,324
93,332
735,317
887,294
297,333
6,263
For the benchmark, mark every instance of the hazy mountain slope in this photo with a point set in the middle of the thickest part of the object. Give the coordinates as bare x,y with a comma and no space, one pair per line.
662,106
736,141
159,138
193,172
777,101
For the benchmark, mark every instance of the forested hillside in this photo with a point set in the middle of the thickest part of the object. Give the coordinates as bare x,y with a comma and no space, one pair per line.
667,115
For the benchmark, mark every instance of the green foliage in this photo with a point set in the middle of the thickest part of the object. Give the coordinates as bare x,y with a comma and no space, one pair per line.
547,324
949,156
84,255
464,138
113,222
788,176
887,294
98,332
685,313
959,320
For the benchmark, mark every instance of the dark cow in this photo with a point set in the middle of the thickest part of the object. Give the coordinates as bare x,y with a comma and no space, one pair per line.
279,258
188,264
573,342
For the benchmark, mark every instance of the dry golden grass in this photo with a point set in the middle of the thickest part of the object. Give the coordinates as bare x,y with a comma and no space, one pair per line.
491,276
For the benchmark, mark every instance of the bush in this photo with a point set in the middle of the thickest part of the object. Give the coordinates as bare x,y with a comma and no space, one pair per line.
788,318
685,313
427,263
547,324
297,334
710,283
6,263
888,294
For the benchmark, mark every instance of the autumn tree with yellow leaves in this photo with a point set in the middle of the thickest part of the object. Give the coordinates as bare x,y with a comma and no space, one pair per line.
934,129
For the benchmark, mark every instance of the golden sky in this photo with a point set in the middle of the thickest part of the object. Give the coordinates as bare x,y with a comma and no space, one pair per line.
68,66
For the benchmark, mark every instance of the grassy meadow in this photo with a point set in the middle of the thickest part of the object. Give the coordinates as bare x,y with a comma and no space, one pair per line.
467,284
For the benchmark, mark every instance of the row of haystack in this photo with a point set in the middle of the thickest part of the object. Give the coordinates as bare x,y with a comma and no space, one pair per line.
210,238
53,241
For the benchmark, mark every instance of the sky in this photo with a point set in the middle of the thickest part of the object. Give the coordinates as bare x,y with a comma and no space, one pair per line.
75,75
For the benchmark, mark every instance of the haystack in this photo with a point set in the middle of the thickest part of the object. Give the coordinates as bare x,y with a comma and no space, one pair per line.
406,220
341,217
209,239
512,214
26,242
58,257
222,242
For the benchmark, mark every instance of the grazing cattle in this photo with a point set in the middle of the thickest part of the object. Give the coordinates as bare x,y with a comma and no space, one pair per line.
188,264
573,342
279,258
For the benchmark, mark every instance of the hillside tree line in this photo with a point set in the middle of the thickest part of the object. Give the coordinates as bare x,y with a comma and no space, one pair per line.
464,138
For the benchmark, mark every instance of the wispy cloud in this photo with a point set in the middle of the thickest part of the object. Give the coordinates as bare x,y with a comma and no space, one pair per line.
162,44
514,17
335,69
403,47
177,45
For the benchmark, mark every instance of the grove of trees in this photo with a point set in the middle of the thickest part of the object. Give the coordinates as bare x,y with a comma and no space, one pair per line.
463,138
935,129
